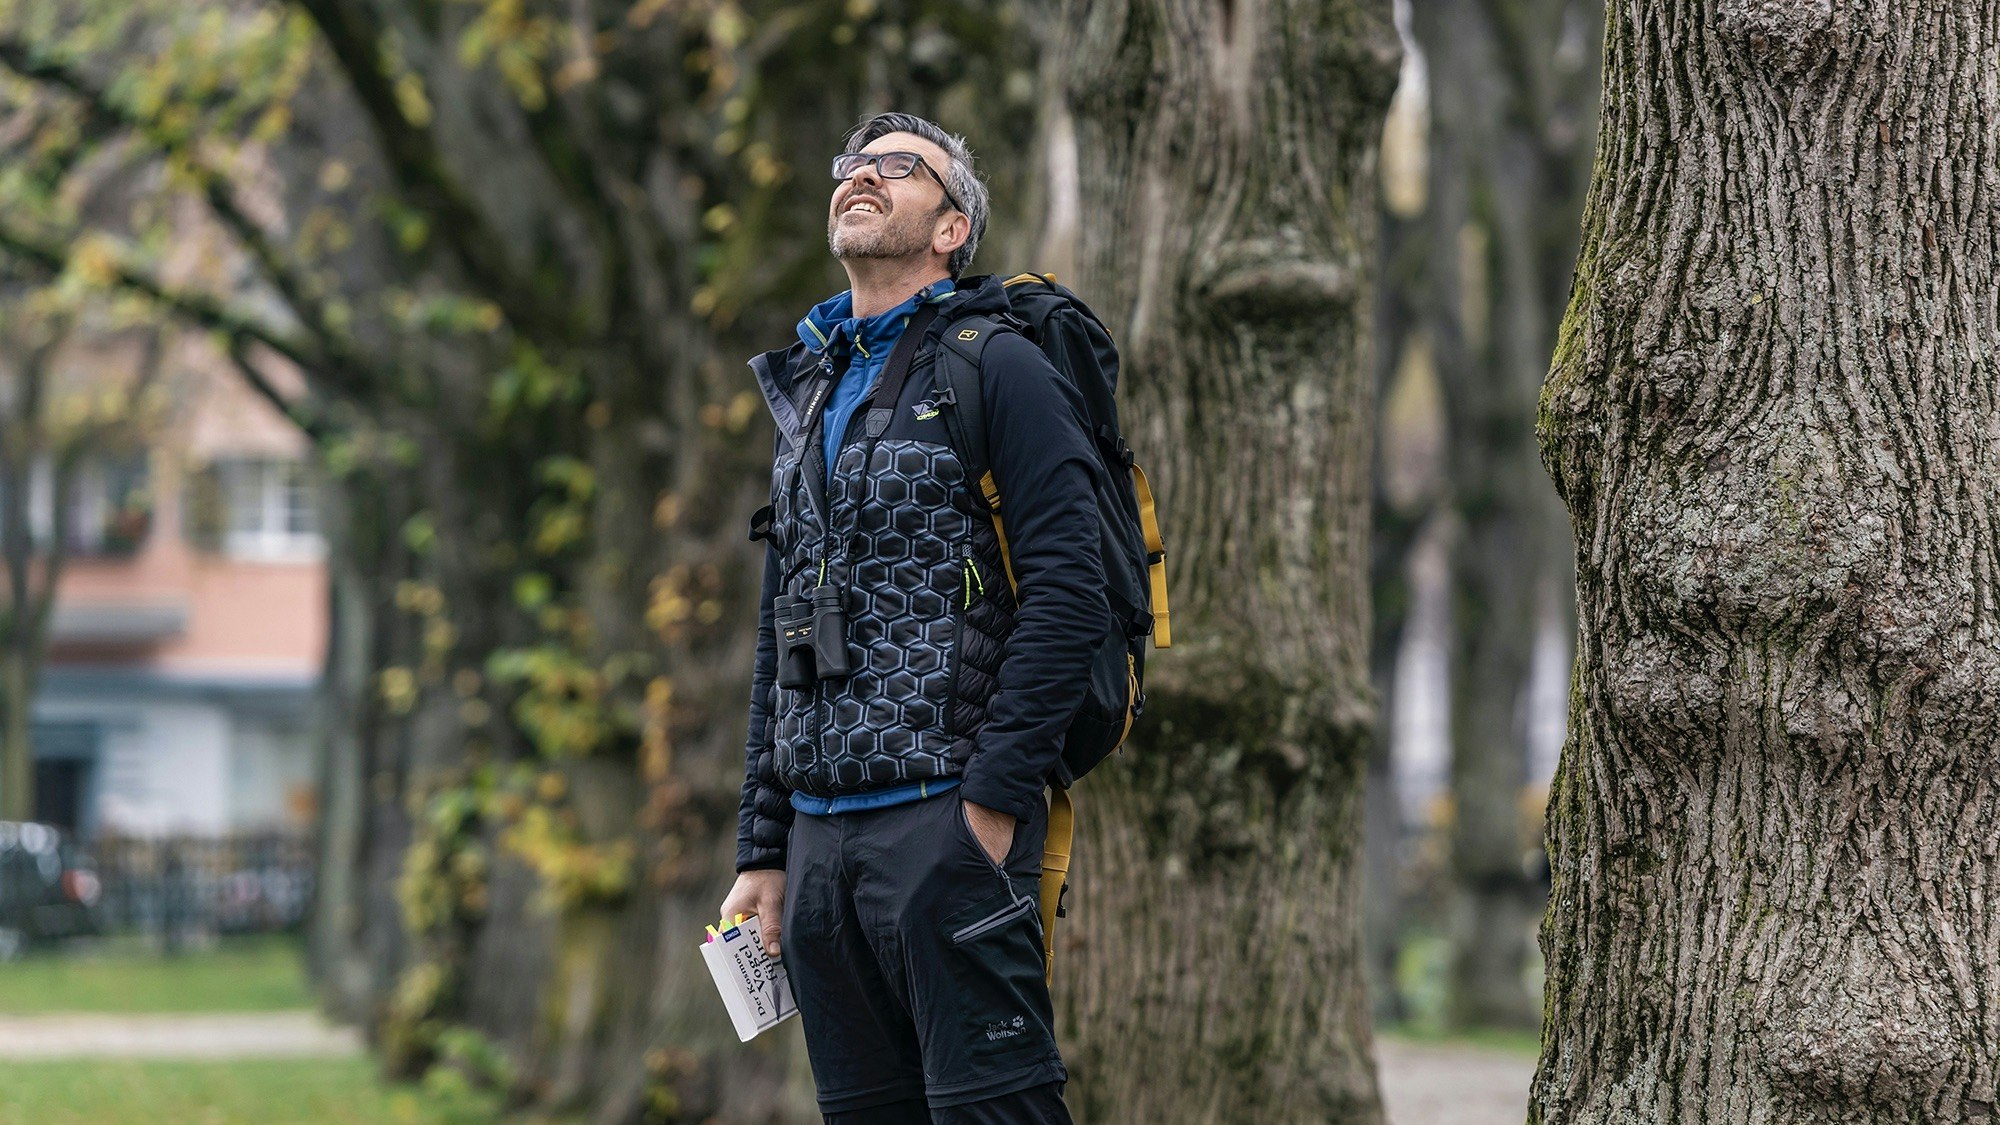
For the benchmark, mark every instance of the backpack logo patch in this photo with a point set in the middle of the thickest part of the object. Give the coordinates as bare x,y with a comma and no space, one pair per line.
969,334
924,410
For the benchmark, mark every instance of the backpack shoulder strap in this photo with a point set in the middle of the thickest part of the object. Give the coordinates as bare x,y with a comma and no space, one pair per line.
958,370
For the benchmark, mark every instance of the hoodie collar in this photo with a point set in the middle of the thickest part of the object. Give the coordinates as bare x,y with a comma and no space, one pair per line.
831,326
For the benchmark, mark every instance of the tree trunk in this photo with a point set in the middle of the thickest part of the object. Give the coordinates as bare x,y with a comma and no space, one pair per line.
1772,413
1403,496
1510,85
355,940
1211,968
17,747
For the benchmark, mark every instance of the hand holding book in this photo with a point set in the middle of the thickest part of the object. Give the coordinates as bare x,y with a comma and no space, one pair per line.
759,892
752,983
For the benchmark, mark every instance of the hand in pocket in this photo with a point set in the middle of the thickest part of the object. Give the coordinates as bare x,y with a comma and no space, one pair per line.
993,829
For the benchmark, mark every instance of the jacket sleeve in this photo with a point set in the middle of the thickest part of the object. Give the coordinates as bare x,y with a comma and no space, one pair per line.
1045,466
764,816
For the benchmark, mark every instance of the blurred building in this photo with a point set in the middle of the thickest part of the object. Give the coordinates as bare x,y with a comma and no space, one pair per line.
189,627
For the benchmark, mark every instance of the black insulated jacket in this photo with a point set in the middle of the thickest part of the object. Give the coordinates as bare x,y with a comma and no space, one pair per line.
954,676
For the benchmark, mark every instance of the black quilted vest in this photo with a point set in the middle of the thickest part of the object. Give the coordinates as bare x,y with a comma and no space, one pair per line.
928,604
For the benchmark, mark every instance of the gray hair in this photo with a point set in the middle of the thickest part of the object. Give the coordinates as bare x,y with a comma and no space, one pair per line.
964,182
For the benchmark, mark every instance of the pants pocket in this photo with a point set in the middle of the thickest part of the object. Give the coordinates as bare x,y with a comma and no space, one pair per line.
971,839
1004,912
1024,854
995,950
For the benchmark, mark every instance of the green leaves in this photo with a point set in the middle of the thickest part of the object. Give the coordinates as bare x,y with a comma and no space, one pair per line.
518,44
420,533
532,591
562,698
530,384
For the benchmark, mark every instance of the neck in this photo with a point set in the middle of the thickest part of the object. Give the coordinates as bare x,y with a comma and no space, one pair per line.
880,284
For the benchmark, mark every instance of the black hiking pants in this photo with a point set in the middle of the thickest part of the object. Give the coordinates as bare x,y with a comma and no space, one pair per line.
917,966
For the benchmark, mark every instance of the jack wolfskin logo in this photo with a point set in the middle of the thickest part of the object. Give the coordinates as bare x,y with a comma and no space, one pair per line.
925,409
1005,1029
969,334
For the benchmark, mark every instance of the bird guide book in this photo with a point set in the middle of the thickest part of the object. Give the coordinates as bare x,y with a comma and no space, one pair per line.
753,984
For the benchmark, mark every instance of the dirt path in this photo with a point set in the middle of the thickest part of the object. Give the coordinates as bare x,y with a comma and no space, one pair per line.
1447,1084
1423,1083
260,1035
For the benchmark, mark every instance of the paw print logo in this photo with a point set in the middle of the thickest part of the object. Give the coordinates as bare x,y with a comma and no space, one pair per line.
1020,1021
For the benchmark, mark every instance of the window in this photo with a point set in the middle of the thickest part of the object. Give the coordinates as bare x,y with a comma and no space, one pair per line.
267,509
110,505
111,509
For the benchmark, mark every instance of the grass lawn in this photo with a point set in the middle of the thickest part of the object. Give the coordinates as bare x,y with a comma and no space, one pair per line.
1423,974
253,1092
240,975
260,974
1524,1043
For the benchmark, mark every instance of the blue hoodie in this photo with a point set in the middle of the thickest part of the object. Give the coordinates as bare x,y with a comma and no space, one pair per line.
831,327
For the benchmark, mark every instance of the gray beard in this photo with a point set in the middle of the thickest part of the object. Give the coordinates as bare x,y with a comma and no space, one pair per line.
893,239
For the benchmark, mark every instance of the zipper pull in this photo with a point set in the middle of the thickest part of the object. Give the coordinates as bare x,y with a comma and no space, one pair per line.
971,573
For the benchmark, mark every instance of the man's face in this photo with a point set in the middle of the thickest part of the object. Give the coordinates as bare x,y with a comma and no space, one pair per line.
876,218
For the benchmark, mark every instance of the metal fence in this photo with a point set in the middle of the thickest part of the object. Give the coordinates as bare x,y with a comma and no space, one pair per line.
190,888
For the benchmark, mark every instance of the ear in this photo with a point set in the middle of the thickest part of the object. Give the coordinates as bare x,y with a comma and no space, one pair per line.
951,233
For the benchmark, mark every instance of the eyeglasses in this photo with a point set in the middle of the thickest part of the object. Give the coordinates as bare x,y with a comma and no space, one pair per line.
890,166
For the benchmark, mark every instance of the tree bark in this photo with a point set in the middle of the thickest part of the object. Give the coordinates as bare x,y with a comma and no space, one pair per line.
1510,86
1772,413
1211,967
355,940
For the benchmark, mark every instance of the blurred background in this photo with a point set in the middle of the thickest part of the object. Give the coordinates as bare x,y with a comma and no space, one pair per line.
374,456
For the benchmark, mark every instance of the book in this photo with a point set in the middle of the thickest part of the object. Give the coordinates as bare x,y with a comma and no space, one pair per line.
752,982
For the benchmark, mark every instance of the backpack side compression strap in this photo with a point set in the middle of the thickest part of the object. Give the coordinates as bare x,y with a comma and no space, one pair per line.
1055,871
1156,558
991,492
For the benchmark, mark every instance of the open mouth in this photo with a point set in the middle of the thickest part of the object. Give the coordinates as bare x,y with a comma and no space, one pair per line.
864,206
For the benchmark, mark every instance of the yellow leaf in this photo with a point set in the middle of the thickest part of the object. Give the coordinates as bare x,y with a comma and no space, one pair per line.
94,261
411,99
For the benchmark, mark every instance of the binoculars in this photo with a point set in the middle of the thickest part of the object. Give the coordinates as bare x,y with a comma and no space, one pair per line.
812,637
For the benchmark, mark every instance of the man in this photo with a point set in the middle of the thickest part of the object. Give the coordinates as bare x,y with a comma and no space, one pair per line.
893,811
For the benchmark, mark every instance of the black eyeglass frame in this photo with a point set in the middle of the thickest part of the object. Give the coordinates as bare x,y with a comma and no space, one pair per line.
875,158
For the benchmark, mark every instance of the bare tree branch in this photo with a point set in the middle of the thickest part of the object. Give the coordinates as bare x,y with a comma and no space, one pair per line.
200,308
305,415
217,189
354,34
